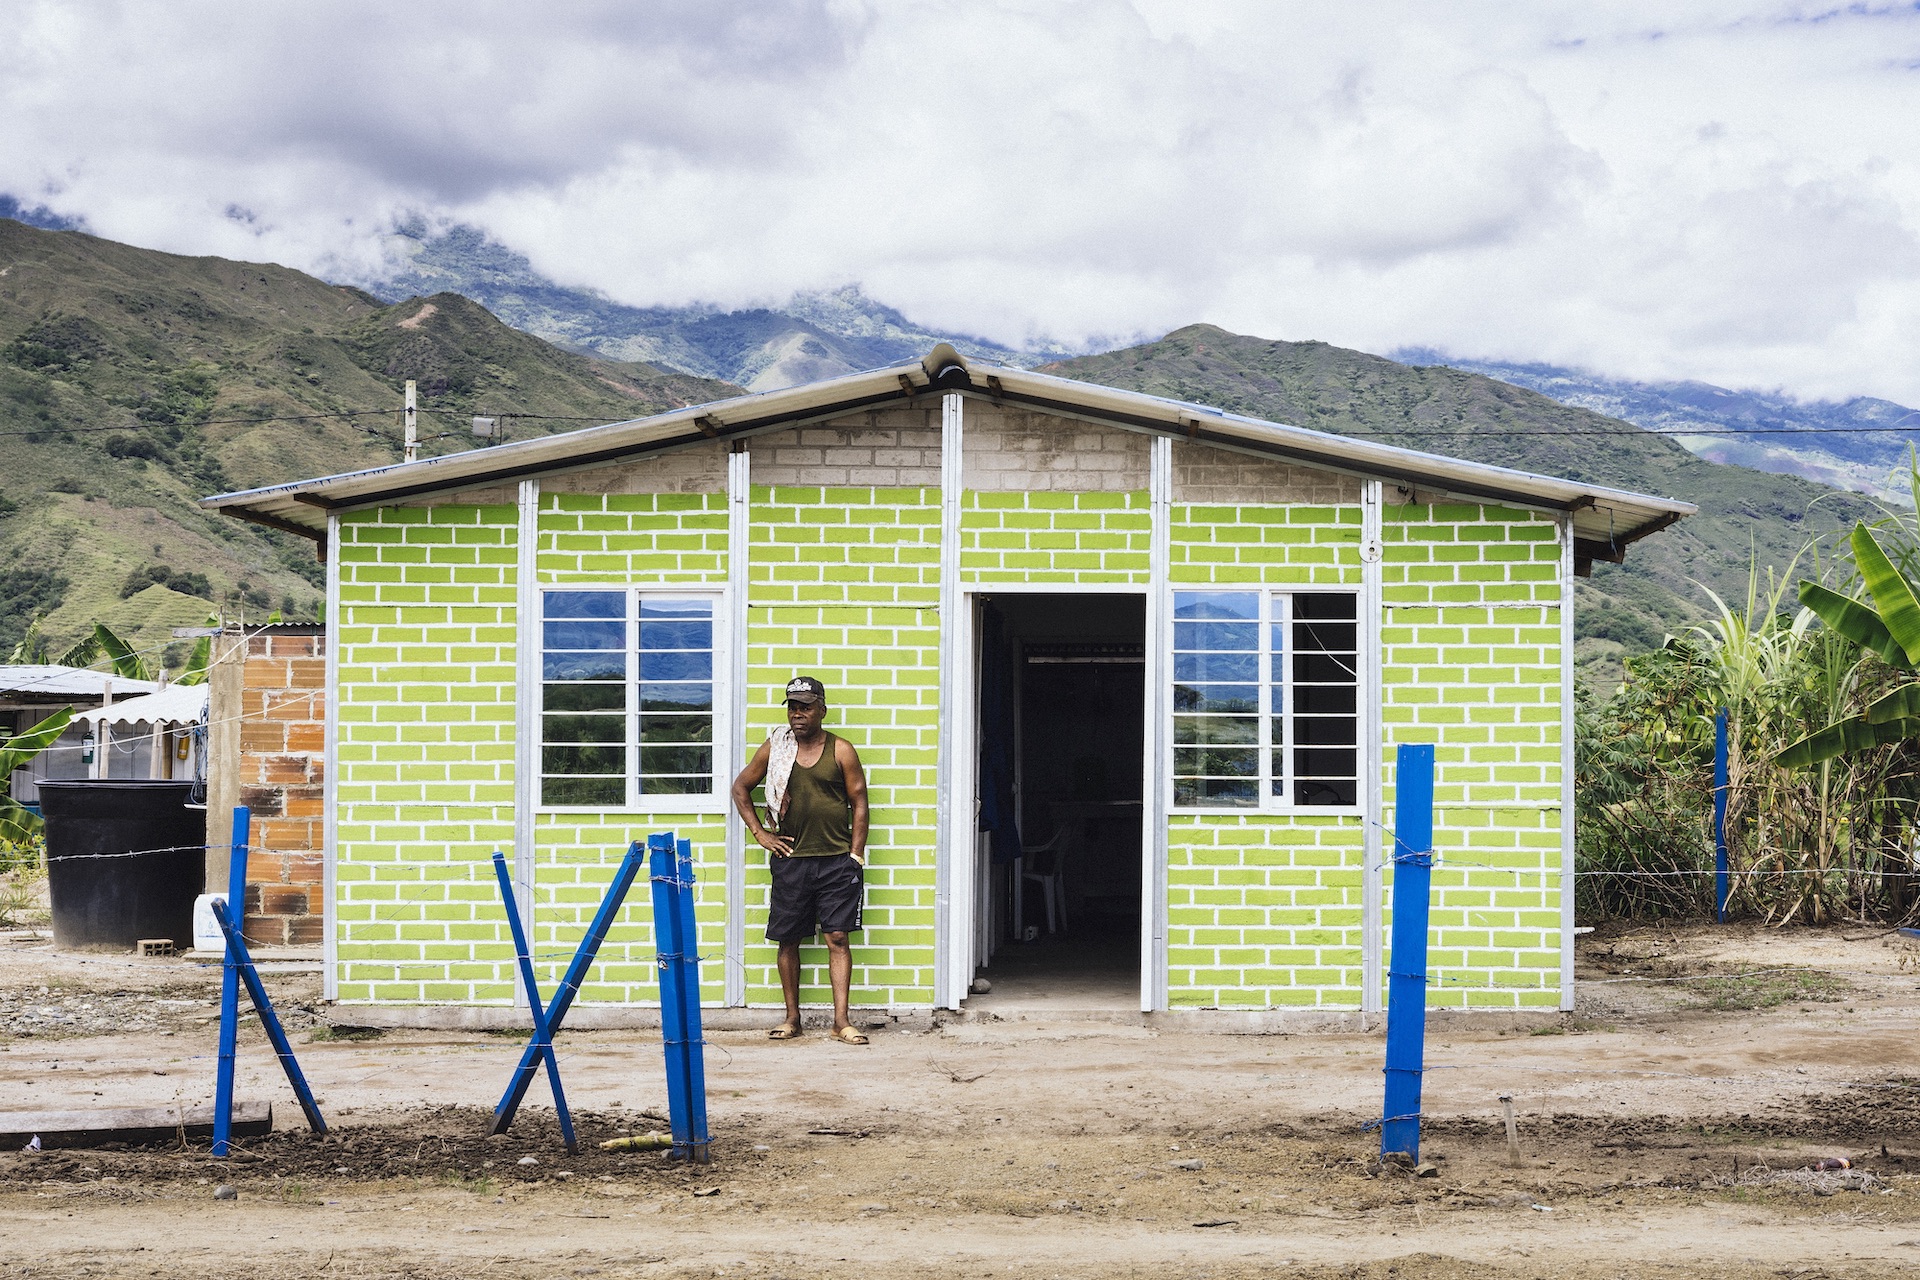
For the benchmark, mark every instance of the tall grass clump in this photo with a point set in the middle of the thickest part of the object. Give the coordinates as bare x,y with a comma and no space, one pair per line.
1813,844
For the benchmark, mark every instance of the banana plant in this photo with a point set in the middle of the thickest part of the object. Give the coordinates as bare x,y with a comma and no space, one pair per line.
200,659
121,656
17,822
1890,628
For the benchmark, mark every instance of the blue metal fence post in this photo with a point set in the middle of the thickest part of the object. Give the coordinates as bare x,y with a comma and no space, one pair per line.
1407,979
230,983
693,1048
583,956
662,870
269,1020
1720,886
671,866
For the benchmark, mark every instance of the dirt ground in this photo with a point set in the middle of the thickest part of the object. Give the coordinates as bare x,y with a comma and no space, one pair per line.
1667,1127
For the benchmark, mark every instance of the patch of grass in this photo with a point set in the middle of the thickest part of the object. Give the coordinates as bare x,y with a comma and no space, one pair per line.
1551,1029
23,883
1748,991
323,1033
478,1185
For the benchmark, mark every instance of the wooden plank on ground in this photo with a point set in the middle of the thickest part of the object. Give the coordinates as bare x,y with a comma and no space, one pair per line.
135,1125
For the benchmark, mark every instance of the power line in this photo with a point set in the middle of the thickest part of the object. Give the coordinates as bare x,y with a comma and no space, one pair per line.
308,417
1470,432
1637,431
211,422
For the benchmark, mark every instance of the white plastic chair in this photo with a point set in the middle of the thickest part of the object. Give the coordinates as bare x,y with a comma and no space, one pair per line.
1046,873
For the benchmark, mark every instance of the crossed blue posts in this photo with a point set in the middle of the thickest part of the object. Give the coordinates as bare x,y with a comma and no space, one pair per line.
239,968
546,1022
675,938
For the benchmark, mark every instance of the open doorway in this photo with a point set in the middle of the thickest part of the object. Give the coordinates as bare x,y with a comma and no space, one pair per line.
1061,734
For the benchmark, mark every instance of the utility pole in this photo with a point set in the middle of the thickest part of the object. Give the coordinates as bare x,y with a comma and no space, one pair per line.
412,447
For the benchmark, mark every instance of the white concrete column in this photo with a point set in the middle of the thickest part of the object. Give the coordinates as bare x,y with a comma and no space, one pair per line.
1158,765
527,705
1566,763
330,783
949,983
734,756
1372,615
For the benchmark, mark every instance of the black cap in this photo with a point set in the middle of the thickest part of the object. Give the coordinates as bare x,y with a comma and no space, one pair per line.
806,691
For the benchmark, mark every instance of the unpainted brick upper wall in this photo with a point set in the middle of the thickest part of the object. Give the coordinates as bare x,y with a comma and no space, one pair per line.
1018,451
882,448
1204,473
694,469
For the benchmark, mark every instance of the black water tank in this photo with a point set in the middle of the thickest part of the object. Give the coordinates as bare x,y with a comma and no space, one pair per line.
125,860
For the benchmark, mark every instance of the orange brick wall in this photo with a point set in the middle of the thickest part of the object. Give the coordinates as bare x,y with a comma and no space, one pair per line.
281,775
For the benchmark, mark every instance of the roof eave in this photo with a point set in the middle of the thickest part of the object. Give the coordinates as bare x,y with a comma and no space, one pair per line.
302,507
695,424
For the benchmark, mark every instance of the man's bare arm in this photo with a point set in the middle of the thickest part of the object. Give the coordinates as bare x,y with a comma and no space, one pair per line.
750,777
856,783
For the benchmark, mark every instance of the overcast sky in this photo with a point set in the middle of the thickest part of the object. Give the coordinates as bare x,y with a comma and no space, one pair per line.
1726,191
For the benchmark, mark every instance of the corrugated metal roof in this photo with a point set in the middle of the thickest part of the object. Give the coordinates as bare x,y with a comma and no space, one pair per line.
41,681
1605,520
175,704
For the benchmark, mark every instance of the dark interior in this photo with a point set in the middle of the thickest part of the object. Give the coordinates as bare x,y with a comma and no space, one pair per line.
1072,692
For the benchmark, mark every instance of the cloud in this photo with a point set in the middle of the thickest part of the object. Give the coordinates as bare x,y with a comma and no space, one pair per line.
1716,190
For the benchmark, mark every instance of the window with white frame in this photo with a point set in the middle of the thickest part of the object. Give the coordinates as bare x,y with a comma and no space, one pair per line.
1266,699
627,696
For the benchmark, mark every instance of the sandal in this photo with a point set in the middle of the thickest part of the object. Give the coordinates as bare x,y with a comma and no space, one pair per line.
785,1031
848,1035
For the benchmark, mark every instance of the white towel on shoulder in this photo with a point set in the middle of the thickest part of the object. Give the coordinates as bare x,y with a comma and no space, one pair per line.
782,750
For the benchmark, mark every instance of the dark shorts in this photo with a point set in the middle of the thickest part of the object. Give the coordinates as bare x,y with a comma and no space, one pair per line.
807,891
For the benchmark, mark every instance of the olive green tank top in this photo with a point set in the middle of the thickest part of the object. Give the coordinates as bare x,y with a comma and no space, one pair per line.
819,820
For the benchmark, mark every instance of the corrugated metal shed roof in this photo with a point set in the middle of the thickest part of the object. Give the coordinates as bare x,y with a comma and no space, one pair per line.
175,704
43,682
1605,520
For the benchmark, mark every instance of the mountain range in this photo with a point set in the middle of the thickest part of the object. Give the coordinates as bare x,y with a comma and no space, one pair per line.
1858,444
815,335
133,382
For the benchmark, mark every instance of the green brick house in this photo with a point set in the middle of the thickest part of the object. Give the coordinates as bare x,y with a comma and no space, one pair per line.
1173,647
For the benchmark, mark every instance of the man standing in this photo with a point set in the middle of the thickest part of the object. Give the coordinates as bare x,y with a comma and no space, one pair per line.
816,832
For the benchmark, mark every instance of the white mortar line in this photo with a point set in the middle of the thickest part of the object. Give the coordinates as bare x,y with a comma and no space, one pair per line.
330,782
739,534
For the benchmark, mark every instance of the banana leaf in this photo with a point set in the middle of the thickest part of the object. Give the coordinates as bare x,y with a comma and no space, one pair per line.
199,659
18,823
1854,620
1898,608
1843,737
1901,704
128,665
24,746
